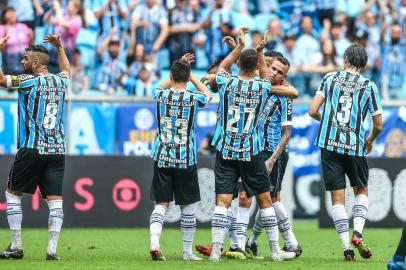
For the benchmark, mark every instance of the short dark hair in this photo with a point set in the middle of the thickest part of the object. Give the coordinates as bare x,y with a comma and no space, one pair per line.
273,54
357,56
283,60
248,60
37,48
3,14
180,71
77,51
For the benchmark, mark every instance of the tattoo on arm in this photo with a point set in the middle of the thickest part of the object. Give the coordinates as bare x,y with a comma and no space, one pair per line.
286,130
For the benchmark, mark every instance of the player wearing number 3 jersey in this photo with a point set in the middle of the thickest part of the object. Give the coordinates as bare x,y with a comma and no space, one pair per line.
40,160
174,154
348,97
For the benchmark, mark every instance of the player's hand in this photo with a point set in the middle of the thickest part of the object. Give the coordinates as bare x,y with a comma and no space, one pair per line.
208,78
269,164
188,58
3,41
229,41
368,145
54,40
263,43
241,35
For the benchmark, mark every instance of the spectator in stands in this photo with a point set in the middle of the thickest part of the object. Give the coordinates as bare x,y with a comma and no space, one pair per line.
149,27
325,10
275,34
20,38
79,79
145,84
25,11
373,50
393,64
218,23
256,38
140,61
183,24
288,51
110,14
111,71
335,32
66,25
351,9
324,61
306,45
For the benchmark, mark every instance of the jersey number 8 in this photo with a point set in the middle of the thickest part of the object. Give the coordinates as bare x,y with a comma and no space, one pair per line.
51,111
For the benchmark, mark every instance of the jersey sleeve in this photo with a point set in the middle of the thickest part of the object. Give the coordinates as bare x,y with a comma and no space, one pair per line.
22,82
266,85
322,90
157,91
201,99
286,115
375,106
223,77
64,77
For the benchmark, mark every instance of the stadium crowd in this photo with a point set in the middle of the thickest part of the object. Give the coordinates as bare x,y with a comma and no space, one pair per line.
125,47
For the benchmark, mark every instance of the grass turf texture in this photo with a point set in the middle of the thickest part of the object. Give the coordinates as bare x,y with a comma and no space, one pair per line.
129,249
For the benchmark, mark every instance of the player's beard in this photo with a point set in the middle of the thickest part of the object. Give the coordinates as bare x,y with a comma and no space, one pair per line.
28,70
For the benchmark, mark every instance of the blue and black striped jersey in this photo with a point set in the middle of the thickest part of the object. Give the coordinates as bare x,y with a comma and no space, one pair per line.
40,111
348,97
277,112
175,142
241,101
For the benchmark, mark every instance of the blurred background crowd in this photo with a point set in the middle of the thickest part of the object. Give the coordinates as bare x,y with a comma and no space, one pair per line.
125,47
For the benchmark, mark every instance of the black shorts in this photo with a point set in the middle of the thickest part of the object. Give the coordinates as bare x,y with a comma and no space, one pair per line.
278,171
253,175
183,183
31,170
335,166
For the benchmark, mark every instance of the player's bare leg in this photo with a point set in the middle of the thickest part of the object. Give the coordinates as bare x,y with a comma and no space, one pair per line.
360,212
14,218
156,222
341,223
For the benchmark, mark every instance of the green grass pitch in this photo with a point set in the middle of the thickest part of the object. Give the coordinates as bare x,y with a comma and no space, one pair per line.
128,249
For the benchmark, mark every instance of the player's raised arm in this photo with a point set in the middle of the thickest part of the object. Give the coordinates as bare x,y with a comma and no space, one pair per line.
55,40
263,69
3,78
286,91
201,87
226,64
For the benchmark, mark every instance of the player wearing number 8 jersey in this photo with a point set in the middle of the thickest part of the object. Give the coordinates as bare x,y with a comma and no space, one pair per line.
348,97
174,154
40,160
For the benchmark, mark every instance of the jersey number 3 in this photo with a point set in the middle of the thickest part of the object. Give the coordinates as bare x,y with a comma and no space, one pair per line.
343,116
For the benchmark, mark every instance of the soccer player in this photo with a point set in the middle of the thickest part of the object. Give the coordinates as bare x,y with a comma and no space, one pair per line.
174,154
238,149
40,159
348,96
398,259
275,122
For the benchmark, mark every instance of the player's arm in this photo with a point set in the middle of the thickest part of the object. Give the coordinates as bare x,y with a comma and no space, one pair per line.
286,91
263,69
315,106
226,64
375,108
283,143
201,87
64,65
